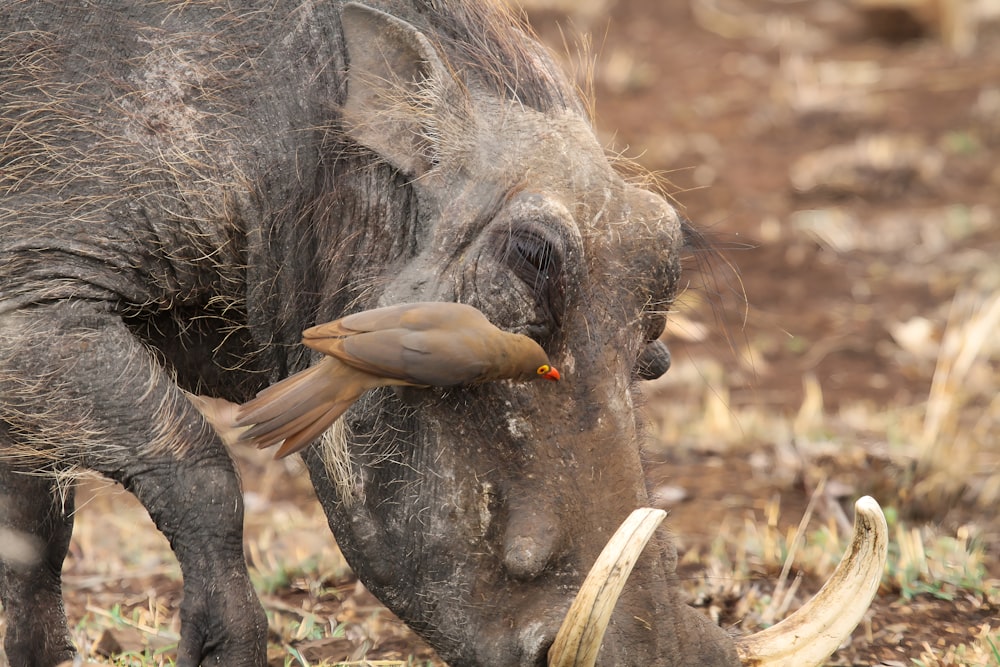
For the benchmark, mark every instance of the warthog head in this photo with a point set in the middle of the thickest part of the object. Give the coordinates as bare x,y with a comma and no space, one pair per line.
475,513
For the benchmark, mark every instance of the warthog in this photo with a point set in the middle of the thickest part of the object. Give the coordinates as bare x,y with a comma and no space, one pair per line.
186,186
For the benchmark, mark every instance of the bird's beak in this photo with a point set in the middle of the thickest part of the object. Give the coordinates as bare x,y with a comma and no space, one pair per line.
553,374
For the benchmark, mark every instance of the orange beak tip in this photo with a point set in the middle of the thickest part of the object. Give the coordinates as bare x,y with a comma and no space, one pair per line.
552,375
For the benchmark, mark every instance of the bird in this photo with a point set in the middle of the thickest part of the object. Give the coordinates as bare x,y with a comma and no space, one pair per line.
425,344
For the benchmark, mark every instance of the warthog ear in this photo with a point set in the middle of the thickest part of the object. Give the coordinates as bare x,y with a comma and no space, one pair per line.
396,85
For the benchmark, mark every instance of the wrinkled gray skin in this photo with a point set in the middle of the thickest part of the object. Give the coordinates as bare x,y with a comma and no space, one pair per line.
185,188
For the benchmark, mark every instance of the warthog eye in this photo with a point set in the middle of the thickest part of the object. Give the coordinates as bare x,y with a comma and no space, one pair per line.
531,257
537,262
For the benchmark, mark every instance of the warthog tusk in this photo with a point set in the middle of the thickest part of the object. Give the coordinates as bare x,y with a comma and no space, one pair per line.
582,631
804,639
816,630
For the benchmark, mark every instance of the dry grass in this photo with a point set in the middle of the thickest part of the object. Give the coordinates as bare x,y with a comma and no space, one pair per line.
937,457
957,449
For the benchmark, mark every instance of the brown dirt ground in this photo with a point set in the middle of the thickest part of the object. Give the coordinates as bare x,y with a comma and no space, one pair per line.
734,108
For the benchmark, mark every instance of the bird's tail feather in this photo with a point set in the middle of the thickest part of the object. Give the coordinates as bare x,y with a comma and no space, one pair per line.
272,431
288,398
314,429
298,409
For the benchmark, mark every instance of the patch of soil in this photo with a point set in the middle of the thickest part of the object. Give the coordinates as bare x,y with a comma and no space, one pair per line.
732,122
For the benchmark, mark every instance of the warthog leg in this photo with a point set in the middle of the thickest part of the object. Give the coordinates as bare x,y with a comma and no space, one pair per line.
77,389
36,522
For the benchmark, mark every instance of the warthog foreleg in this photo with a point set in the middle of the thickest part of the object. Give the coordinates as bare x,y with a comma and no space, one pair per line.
77,389
36,521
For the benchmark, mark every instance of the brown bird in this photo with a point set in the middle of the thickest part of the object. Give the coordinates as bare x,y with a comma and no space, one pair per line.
416,344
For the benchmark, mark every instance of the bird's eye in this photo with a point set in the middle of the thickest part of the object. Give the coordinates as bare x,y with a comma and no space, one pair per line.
543,369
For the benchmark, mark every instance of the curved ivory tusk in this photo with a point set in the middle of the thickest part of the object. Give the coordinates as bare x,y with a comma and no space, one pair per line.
582,631
814,632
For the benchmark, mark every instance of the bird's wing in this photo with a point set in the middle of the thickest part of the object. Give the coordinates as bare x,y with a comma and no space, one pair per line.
446,358
436,357
367,320
423,316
